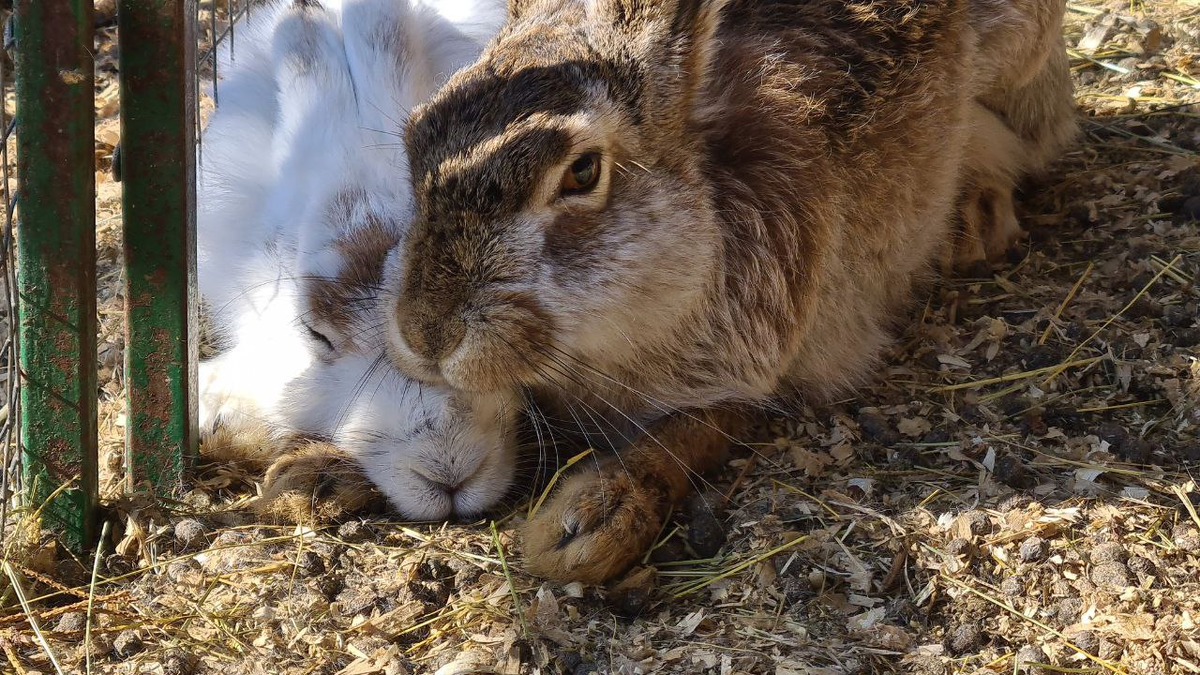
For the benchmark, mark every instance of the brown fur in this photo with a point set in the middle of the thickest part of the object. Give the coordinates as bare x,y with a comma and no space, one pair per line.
315,483
610,515
305,481
779,176
252,447
1018,129
363,246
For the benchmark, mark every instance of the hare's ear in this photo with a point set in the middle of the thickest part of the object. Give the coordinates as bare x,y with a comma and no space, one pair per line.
518,9
697,22
685,29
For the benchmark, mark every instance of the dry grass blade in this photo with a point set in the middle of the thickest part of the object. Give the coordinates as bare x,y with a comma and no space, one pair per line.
413,534
660,541
1122,406
1182,494
706,582
1103,64
87,630
804,494
512,585
1149,284
19,588
1180,77
29,520
1066,301
533,509
1176,275
11,655
1051,668
1083,9
1013,377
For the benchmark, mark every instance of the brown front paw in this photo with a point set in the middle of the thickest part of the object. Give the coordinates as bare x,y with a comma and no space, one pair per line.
315,483
597,525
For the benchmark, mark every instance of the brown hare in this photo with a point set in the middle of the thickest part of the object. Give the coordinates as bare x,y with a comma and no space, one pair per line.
659,214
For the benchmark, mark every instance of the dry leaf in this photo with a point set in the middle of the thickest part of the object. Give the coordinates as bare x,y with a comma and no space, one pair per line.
914,427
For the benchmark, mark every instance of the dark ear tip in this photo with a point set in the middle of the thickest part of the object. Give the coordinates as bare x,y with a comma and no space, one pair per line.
689,13
517,8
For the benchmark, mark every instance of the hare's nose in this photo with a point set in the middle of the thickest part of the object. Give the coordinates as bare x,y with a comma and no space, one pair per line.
446,477
448,488
432,338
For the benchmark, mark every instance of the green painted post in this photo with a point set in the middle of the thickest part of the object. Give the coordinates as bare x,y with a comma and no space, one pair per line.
158,113
56,262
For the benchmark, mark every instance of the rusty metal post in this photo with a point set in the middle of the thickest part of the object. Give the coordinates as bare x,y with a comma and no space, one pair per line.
158,168
56,251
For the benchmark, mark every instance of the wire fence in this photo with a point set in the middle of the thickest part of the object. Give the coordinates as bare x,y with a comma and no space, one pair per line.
10,403
169,79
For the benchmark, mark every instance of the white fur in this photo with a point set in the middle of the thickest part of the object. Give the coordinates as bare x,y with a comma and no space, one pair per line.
312,106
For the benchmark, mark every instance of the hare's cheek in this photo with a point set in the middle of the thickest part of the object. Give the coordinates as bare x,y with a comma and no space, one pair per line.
574,245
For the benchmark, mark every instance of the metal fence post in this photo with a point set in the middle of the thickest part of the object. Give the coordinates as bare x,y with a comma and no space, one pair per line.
158,168
56,250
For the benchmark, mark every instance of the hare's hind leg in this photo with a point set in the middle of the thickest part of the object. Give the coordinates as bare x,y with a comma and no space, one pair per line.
1040,112
1016,133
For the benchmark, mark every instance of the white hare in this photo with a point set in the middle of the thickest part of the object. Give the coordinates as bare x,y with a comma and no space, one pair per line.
304,198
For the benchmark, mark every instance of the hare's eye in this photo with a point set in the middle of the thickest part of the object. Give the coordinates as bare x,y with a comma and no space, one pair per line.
317,336
582,175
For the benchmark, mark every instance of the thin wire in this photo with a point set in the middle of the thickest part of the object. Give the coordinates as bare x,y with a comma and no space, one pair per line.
10,455
195,38
212,17
231,13
234,12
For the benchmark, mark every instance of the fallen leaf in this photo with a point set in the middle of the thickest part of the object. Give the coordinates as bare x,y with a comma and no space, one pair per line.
914,427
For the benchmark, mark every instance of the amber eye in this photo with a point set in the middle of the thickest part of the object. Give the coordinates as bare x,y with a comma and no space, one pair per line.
582,175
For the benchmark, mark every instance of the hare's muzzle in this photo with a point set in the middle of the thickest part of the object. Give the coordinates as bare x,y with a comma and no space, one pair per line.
488,340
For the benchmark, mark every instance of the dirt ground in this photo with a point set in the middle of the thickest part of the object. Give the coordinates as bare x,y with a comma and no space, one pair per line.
1016,493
